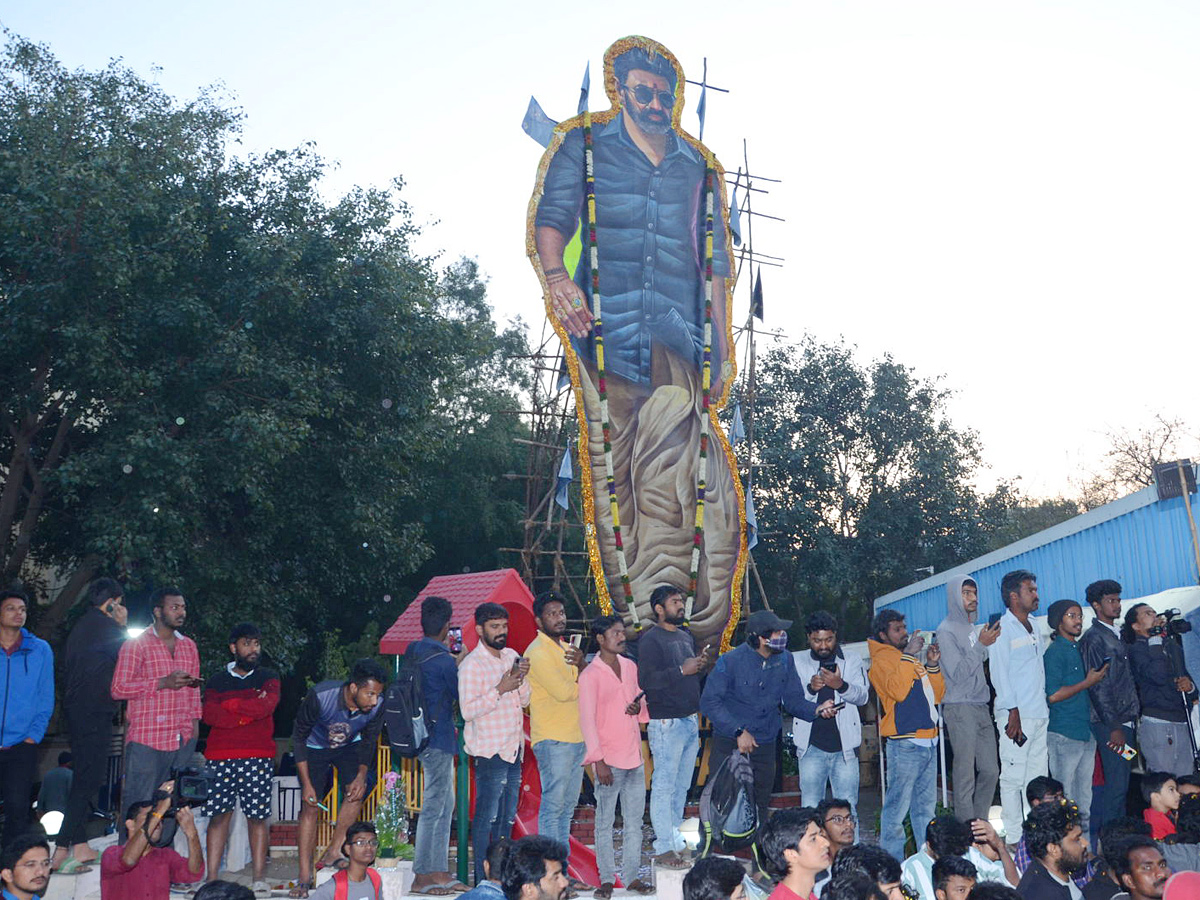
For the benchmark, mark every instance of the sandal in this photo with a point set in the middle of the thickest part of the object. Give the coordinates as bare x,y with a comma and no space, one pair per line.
671,860
261,889
73,866
301,889
638,886
604,892
434,890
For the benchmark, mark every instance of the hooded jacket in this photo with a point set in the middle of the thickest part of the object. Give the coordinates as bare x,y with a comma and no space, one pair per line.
26,691
962,653
908,691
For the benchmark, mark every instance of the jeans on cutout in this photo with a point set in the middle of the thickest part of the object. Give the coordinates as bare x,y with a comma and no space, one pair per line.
674,745
497,788
911,790
432,852
820,766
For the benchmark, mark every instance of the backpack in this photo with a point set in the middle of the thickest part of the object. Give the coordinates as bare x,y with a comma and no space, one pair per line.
728,813
341,884
405,712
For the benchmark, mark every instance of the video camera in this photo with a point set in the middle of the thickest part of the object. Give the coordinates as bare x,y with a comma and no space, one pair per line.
193,787
1174,626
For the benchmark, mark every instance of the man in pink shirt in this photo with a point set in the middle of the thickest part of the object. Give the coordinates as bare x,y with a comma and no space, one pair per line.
610,710
492,690
158,672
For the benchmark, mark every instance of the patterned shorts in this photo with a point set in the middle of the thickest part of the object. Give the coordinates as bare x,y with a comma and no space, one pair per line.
244,780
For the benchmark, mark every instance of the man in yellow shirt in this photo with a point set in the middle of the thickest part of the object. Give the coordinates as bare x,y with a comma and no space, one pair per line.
554,666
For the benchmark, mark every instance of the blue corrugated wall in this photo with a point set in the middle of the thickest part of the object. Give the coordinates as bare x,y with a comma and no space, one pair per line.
1140,541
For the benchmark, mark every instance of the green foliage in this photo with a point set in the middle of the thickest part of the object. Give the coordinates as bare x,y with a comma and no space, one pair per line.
217,378
865,481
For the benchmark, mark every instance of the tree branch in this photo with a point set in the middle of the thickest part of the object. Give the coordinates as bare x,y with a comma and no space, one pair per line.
53,615
37,496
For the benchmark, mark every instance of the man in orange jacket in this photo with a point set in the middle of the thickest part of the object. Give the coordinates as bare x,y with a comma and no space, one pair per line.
909,692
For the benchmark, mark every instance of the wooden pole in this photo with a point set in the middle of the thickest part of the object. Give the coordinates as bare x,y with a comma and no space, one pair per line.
1187,504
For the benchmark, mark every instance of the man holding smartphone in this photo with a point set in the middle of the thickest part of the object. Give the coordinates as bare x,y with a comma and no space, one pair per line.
158,672
1022,715
90,658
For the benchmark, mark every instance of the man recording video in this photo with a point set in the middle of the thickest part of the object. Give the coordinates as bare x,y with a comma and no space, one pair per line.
1166,689
141,869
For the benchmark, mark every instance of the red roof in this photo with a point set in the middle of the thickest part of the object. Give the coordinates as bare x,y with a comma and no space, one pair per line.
465,592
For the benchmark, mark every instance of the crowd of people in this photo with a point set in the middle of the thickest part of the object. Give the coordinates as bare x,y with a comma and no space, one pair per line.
1055,703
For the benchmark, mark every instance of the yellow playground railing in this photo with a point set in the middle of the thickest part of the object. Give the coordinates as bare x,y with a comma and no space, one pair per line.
411,776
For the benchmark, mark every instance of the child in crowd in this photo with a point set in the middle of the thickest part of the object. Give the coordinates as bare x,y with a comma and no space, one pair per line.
1162,793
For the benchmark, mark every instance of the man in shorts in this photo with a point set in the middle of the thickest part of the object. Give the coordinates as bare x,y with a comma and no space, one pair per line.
337,726
239,705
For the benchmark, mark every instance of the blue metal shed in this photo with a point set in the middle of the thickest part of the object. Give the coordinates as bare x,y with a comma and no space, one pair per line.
1141,541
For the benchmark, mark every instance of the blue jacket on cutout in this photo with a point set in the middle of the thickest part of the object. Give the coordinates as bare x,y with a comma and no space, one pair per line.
746,691
26,691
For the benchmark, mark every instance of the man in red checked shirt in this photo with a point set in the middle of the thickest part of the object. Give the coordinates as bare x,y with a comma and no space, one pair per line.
239,704
158,672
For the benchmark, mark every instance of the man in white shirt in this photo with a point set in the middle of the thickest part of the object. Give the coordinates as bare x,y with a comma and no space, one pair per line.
1022,715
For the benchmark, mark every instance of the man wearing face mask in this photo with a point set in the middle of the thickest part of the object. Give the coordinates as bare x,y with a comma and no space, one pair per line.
744,693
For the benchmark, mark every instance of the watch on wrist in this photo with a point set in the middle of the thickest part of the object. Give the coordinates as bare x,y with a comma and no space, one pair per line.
737,734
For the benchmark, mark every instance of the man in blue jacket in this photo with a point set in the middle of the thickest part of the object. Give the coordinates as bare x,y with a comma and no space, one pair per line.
26,702
743,696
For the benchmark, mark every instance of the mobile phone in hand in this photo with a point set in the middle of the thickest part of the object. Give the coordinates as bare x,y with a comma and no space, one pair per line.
829,665
839,706
1020,739
455,637
994,618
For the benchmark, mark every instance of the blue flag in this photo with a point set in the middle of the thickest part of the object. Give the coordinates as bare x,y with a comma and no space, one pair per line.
584,89
701,107
735,217
537,124
565,475
737,430
751,523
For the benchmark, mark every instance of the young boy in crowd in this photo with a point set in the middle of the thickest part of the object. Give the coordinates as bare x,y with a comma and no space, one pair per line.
953,878
796,851
1162,794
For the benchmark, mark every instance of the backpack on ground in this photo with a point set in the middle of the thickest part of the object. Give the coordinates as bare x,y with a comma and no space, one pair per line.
405,712
728,813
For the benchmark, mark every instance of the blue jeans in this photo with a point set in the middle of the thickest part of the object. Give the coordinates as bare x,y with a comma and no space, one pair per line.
560,766
629,786
1108,799
820,766
432,853
674,745
497,787
911,790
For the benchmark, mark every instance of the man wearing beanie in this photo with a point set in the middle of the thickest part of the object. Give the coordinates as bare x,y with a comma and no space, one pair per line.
1070,746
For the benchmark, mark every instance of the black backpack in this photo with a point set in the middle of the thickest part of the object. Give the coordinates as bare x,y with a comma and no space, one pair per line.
405,712
728,812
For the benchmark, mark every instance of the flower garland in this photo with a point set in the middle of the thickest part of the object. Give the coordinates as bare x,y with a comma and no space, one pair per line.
705,385
598,327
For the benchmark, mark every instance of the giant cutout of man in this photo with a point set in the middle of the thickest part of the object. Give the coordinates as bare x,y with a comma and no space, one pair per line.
650,197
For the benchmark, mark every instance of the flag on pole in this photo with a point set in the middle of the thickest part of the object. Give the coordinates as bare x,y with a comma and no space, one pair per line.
751,523
735,220
756,300
737,430
584,89
565,475
537,124
701,107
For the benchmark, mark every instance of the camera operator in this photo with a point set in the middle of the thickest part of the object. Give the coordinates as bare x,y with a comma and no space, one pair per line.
1166,690
140,869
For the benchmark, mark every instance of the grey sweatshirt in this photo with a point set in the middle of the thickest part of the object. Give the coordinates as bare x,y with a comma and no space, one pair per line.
962,654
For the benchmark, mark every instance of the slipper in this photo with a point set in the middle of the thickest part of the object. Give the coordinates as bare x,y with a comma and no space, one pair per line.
300,890
261,889
73,866
434,890
457,886
604,892
638,886
671,860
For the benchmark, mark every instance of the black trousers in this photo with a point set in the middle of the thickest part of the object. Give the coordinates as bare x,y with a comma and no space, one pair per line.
762,761
91,737
18,764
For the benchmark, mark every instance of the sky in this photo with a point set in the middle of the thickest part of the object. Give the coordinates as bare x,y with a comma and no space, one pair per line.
1001,195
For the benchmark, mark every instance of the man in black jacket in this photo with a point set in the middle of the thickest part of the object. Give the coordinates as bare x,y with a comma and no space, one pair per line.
1166,690
1114,700
1059,850
89,659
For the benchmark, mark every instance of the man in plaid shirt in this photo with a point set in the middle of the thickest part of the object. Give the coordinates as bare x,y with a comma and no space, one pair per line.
158,672
491,693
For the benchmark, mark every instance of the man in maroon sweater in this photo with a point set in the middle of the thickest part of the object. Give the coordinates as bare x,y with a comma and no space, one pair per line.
239,704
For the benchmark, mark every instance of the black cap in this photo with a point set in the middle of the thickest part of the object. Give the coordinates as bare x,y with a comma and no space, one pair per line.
1058,609
765,622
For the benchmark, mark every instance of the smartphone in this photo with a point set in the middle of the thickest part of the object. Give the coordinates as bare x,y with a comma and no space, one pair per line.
456,643
1104,662
638,698
1020,739
517,664
994,618
830,665
839,706
1127,752
575,640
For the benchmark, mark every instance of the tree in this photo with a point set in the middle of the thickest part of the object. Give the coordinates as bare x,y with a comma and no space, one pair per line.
213,376
1131,457
864,480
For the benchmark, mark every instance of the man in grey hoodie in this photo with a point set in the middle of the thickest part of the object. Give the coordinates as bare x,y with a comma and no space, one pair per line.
965,707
